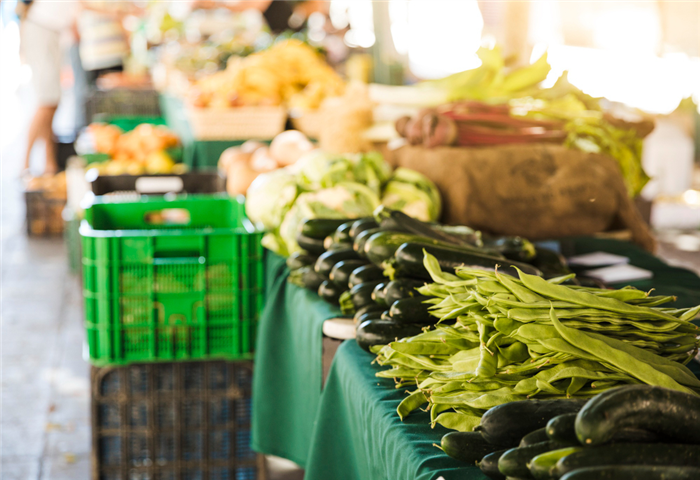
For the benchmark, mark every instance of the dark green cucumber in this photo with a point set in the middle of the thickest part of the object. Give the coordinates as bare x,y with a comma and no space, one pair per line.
399,221
306,277
489,465
373,310
300,259
342,233
365,274
408,261
327,261
469,447
361,294
312,245
330,244
549,262
634,472
402,288
412,310
672,414
330,292
381,332
536,436
507,424
631,454
378,294
514,462
544,465
382,246
341,271
561,428
359,241
360,225
513,248
320,228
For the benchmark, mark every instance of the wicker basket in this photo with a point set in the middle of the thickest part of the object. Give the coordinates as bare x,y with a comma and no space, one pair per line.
310,123
239,123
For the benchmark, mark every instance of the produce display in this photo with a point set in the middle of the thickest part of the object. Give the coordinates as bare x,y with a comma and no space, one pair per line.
289,73
145,149
488,106
371,267
245,163
629,432
322,185
510,335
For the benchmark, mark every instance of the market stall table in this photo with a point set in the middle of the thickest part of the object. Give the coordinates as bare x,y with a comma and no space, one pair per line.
352,430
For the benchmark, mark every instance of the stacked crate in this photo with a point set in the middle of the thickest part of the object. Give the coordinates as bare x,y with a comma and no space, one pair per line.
172,289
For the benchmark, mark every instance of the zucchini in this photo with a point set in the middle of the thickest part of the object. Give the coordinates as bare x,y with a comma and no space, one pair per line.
409,261
514,462
341,271
412,310
361,294
469,447
300,259
365,274
342,233
631,454
381,246
537,436
312,245
360,225
672,414
306,277
561,428
373,310
330,292
378,294
550,262
399,221
327,261
329,243
634,472
544,465
320,228
401,288
382,332
512,248
359,241
506,424
489,465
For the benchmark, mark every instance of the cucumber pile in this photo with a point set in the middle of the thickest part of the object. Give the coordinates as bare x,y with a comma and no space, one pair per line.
371,267
635,432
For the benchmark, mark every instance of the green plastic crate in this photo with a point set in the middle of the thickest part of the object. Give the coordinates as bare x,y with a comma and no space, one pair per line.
128,123
162,287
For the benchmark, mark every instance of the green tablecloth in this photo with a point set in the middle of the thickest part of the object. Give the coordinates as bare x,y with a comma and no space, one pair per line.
357,434
288,372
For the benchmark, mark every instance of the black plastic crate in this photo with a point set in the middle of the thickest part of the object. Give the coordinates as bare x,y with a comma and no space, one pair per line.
195,182
179,421
122,102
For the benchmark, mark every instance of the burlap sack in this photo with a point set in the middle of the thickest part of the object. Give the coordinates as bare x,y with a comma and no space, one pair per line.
535,191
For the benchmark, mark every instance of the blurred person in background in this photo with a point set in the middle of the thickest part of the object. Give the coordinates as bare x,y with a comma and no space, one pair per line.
42,24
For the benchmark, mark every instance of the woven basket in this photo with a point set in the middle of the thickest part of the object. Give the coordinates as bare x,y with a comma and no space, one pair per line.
310,123
239,123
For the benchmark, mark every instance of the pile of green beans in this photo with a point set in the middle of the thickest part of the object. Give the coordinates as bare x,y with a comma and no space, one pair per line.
503,339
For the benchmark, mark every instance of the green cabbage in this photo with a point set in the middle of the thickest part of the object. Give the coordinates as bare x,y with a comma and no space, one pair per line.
413,194
270,197
345,200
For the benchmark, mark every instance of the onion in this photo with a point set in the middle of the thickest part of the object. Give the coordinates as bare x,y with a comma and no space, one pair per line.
287,147
245,167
